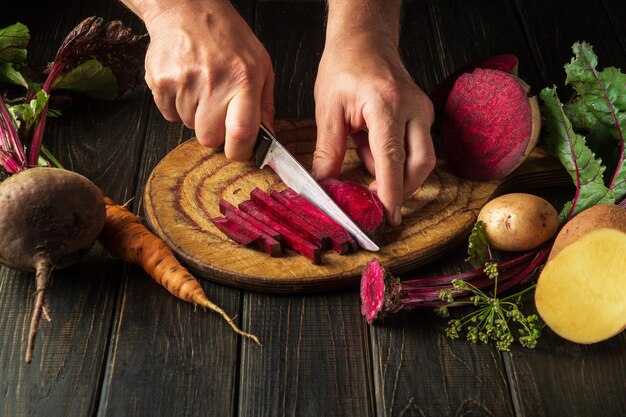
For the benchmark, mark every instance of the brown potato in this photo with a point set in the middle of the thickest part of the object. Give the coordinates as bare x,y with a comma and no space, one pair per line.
518,221
597,217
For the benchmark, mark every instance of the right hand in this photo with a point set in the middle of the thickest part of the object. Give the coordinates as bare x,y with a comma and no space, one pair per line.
206,68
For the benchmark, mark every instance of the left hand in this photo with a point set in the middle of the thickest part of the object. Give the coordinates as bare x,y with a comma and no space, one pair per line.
361,82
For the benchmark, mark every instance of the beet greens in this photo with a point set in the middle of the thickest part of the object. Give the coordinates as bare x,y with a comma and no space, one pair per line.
98,59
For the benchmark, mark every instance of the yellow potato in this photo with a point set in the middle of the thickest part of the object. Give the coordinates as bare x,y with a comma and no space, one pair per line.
518,221
581,293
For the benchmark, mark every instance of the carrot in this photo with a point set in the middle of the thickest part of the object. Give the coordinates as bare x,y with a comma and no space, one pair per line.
127,238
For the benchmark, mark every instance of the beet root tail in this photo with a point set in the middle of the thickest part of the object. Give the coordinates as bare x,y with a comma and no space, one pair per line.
44,270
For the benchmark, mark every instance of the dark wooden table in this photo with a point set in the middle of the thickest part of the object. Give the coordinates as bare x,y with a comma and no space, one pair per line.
119,345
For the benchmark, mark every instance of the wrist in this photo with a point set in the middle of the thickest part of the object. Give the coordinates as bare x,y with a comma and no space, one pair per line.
152,12
359,23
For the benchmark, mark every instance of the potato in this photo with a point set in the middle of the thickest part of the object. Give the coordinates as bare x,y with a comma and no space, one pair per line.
581,293
518,221
596,217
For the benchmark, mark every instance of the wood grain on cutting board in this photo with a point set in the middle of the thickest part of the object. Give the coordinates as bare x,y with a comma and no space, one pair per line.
183,193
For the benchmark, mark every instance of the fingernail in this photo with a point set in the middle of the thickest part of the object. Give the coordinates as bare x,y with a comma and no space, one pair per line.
314,173
396,218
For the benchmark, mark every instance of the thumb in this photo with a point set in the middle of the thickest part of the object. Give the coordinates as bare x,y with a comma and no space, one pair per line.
330,147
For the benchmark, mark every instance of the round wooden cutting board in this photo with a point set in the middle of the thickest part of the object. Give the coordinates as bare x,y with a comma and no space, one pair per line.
183,192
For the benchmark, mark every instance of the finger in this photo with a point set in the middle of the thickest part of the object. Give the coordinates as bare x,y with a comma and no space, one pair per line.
420,158
330,146
243,118
186,106
363,150
386,139
267,101
209,123
166,103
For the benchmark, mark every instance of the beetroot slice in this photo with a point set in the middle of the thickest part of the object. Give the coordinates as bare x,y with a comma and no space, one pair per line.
359,203
489,125
226,207
287,218
439,94
240,232
339,237
291,239
372,290
270,245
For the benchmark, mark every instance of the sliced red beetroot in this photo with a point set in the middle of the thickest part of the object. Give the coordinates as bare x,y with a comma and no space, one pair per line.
271,246
489,125
242,233
291,238
226,208
339,237
379,294
288,219
439,94
359,203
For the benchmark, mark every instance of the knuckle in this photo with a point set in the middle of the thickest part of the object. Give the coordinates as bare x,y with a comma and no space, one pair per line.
325,153
394,152
427,160
239,135
243,74
209,139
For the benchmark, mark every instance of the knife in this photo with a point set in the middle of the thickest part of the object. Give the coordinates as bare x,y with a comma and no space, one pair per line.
268,151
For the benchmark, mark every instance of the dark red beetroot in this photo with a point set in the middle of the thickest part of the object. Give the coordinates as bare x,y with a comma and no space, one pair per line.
439,94
291,238
228,209
383,294
243,233
340,239
489,125
359,203
288,219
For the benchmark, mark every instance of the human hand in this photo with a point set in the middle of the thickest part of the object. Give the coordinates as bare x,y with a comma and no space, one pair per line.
206,68
362,83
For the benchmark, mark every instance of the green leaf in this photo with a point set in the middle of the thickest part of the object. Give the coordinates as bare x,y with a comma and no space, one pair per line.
13,42
579,161
478,247
9,75
26,115
601,100
90,78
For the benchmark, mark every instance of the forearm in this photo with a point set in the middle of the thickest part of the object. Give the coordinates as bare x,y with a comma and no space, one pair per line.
369,20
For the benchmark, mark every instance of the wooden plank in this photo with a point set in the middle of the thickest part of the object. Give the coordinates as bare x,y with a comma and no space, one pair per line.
558,377
314,360
554,26
469,30
99,140
169,357
293,34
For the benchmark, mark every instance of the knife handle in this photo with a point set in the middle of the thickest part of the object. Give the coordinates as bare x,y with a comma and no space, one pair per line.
263,142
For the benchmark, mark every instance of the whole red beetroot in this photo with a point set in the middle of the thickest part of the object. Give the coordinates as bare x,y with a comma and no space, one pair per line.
48,218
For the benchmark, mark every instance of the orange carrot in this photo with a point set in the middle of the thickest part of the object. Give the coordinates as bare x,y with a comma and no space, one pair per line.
127,238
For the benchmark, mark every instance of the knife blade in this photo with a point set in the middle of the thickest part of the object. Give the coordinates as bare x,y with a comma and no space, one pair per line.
269,151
